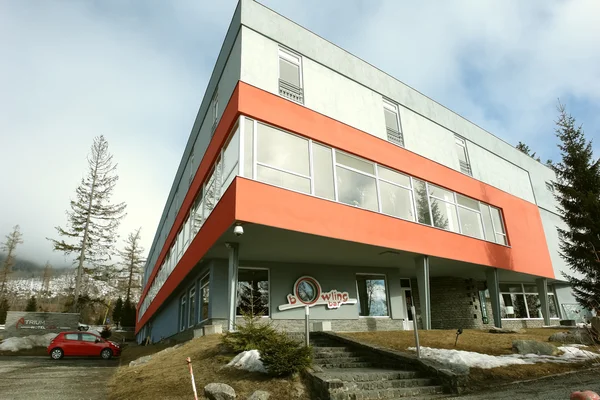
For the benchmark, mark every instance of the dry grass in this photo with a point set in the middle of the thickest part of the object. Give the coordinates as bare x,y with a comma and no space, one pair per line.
476,340
166,376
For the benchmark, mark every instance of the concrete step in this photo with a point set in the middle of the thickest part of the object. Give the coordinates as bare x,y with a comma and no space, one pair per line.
356,364
335,359
389,384
331,349
394,393
367,374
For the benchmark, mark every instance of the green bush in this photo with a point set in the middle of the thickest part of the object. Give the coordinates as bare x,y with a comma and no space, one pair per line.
283,356
250,336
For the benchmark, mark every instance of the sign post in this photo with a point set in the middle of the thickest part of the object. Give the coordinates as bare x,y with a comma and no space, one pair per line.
307,293
416,329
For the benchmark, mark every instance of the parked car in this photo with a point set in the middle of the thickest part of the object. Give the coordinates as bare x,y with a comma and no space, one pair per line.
82,344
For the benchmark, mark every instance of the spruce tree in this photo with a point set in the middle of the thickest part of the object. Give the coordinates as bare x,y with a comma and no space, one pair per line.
13,239
92,220
525,149
117,313
133,260
577,191
31,304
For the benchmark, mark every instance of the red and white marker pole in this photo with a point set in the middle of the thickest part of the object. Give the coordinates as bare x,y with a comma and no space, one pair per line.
189,362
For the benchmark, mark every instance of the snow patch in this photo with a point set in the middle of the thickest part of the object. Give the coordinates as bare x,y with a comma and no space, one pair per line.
248,361
461,359
27,342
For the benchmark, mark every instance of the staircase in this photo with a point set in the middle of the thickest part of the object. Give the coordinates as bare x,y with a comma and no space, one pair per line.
348,372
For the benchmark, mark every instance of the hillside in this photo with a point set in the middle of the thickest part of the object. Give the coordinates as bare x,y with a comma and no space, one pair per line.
31,269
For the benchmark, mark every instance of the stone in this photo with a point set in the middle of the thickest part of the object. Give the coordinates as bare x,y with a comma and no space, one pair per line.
573,337
140,361
505,330
213,329
260,395
534,347
219,391
322,326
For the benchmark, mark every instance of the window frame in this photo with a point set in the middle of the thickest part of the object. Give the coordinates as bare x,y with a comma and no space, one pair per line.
393,107
462,142
201,286
387,295
296,59
182,312
191,317
269,291
524,293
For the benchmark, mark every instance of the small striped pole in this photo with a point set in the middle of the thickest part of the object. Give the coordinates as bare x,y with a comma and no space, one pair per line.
189,362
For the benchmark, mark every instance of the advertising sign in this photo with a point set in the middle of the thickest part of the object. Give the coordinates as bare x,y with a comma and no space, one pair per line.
307,292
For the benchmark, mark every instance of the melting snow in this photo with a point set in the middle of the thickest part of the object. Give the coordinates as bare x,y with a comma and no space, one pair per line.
248,361
460,358
26,342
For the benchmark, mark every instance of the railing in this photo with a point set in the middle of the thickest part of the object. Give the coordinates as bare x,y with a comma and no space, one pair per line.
465,168
395,137
290,91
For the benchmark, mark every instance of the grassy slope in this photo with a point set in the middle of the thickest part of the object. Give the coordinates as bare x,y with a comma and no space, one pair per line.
479,341
166,376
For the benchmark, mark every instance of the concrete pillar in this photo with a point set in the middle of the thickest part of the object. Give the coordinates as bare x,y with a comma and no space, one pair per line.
542,285
493,286
232,278
422,266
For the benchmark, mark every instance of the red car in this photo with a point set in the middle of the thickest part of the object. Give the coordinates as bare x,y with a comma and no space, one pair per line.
82,344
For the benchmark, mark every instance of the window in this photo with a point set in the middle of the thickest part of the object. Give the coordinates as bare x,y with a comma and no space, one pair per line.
290,76
396,194
550,187
204,298
248,148
392,123
493,224
180,244
253,292
372,295
182,318
499,231
323,171
214,111
422,202
192,307
443,209
282,159
197,214
88,337
469,214
356,186
523,301
71,336
230,160
463,156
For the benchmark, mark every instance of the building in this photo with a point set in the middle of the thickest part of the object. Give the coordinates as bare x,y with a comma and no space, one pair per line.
310,174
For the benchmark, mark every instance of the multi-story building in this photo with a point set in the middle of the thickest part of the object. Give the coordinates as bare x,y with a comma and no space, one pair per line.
311,176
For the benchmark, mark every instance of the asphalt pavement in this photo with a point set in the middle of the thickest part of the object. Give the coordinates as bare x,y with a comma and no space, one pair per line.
37,378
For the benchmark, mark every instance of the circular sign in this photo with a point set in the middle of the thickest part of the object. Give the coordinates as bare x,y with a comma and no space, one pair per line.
307,290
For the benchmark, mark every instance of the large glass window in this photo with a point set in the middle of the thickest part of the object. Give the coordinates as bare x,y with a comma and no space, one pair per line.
192,307
498,226
372,295
323,171
396,194
523,301
356,188
249,148
422,202
182,319
230,160
204,298
253,292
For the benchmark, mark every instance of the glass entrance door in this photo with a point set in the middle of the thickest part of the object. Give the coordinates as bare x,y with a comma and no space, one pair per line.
407,303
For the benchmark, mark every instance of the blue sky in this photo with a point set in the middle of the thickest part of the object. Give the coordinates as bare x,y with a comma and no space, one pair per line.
136,71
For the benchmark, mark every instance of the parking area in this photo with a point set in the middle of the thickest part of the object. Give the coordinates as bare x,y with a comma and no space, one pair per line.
34,378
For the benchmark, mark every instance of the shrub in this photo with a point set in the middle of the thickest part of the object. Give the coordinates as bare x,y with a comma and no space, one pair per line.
283,356
250,336
106,333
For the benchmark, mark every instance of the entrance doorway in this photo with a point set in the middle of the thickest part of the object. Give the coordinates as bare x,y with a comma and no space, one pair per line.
407,303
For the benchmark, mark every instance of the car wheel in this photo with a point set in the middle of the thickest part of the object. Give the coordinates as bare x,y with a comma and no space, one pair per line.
106,354
57,354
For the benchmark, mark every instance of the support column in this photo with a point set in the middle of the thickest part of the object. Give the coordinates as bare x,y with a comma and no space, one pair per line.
422,266
493,286
542,285
232,278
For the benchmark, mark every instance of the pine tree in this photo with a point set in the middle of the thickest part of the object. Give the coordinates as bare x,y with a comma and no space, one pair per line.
578,194
133,261
9,246
117,313
525,149
46,278
93,220
128,314
31,304
4,307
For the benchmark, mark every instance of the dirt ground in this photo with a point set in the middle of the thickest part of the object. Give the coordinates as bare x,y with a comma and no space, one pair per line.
166,376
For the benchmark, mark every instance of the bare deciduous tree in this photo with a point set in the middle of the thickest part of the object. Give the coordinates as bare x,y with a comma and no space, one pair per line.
13,239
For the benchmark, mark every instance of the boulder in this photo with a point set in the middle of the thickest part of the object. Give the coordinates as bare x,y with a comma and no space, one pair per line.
573,337
505,330
534,347
219,391
260,395
140,361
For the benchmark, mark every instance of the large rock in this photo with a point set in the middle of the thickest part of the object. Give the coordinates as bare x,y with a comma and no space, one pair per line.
260,395
140,361
219,391
534,347
578,336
